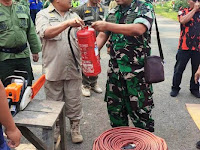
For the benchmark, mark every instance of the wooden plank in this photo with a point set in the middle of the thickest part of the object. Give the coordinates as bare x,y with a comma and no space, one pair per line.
45,106
36,119
32,138
194,111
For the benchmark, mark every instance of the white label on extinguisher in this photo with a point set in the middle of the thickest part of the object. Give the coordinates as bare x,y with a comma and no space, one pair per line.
88,68
83,45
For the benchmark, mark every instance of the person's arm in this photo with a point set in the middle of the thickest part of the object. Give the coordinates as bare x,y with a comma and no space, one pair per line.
33,40
126,29
141,24
101,39
53,31
12,132
47,31
186,18
197,75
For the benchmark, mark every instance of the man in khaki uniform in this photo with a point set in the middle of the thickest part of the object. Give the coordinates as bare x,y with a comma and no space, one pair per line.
63,81
16,29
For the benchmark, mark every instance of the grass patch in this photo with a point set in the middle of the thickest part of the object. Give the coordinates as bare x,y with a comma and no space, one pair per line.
166,12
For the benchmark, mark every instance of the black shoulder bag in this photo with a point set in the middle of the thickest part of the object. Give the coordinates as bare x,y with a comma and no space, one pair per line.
153,65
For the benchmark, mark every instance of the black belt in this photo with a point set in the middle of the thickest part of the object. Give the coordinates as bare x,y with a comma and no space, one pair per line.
14,50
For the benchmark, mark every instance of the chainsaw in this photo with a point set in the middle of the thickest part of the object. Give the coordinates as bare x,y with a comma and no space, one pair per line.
18,93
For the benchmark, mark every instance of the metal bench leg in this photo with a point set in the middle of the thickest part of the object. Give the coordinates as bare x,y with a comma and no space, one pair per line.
48,137
62,122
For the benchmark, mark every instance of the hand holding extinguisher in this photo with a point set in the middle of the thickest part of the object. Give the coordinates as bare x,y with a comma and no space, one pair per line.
89,51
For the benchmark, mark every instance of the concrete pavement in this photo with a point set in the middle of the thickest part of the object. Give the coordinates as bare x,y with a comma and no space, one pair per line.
172,121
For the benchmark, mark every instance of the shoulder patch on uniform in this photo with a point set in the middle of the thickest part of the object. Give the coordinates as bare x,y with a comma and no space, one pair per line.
20,9
2,13
112,11
50,8
87,11
100,9
3,25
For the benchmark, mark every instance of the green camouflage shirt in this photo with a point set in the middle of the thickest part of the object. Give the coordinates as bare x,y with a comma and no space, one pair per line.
46,4
127,52
16,29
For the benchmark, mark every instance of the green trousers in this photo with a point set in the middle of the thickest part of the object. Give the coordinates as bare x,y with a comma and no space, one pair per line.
131,97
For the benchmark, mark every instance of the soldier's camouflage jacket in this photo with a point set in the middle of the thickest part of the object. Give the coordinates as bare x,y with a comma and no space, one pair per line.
127,52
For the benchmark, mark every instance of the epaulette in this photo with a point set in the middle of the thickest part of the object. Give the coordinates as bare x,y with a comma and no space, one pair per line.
112,11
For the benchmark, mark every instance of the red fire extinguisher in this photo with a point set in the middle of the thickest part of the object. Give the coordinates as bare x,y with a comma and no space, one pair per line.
89,51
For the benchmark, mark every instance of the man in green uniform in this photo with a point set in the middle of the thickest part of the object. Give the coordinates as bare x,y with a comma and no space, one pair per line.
16,30
90,12
127,93
23,2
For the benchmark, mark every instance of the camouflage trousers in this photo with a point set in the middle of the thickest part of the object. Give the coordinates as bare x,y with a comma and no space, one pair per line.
131,97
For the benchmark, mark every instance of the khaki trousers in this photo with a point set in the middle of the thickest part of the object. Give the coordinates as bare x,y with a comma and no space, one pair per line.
68,91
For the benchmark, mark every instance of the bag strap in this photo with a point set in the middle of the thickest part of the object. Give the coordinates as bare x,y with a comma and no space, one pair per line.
158,39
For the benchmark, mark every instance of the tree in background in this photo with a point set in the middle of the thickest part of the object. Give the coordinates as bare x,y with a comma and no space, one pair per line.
180,3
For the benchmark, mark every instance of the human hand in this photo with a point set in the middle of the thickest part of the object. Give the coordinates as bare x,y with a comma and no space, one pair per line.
196,6
99,26
196,76
76,22
35,57
13,136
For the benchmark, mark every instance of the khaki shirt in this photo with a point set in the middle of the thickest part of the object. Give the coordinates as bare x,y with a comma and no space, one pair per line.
58,62
16,29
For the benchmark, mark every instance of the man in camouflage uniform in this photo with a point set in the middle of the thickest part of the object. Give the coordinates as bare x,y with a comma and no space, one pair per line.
127,93
46,4
16,29
90,12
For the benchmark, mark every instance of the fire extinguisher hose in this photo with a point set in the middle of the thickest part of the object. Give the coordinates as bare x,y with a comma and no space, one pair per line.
128,138
72,51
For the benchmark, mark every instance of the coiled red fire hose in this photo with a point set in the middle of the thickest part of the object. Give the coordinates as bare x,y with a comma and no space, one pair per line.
128,138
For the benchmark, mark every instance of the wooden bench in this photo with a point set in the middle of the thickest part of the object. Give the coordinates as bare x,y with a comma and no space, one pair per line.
43,114
194,111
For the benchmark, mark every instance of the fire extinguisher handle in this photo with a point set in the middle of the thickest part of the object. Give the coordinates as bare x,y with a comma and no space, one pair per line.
72,51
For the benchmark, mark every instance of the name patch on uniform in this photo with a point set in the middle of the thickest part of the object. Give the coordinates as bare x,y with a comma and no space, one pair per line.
19,9
53,19
1,13
3,26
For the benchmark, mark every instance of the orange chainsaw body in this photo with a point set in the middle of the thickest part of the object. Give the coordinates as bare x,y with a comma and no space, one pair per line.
13,91
18,93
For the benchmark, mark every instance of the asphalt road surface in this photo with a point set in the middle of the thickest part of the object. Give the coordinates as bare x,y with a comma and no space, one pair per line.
172,121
